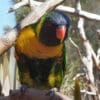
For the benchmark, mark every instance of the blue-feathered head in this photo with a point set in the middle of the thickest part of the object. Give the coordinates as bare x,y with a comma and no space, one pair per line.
53,28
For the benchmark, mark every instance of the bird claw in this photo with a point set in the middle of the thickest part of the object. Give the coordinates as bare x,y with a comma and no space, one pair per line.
1,94
12,92
23,89
51,92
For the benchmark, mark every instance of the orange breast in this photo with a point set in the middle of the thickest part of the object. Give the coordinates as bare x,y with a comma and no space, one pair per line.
29,44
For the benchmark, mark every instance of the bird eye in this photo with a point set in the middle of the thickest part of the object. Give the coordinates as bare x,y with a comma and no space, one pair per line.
49,25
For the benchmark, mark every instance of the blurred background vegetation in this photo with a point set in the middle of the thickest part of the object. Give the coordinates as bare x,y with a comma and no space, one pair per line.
74,64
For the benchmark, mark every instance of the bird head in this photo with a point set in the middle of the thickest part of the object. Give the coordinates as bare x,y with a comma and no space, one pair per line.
52,28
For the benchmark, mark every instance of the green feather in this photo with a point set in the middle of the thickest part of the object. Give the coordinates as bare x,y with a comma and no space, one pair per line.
41,72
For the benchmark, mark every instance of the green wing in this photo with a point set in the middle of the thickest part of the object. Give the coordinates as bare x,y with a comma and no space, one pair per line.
57,72
42,73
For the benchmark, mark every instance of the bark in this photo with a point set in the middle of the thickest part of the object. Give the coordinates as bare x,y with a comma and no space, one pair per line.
34,94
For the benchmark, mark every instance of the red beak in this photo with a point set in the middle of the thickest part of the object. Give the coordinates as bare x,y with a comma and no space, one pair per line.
60,32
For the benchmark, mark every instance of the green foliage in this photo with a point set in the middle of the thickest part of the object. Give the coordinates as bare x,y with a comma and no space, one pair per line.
21,13
15,1
7,28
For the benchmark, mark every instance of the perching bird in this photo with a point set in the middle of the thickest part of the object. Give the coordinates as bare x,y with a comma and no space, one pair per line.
40,51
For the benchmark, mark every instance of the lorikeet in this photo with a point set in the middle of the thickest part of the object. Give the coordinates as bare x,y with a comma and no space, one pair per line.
40,51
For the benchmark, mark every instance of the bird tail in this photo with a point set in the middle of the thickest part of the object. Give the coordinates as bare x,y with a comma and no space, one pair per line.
77,94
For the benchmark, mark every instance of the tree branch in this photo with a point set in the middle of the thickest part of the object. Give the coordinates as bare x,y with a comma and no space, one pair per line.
9,39
88,61
86,42
34,94
67,9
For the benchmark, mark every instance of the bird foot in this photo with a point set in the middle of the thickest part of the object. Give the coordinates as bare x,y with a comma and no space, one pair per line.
52,92
1,94
12,92
21,91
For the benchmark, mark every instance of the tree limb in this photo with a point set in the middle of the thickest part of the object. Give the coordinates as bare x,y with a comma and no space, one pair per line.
9,39
34,94
67,9
88,61
86,42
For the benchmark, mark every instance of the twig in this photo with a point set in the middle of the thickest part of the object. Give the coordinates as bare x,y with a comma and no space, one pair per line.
98,31
31,4
98,54
17,5
76,46
88,92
